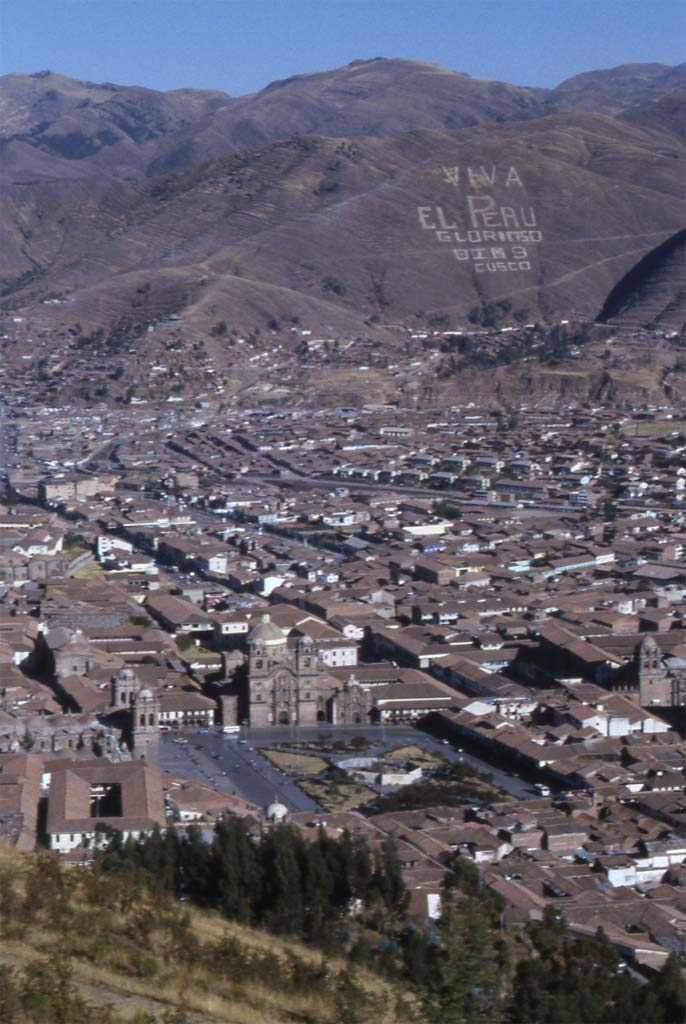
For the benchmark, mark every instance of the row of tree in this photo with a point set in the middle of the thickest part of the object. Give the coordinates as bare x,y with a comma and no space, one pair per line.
279,880
548,345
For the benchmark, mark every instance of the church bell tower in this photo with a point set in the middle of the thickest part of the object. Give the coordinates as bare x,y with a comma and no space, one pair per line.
145,712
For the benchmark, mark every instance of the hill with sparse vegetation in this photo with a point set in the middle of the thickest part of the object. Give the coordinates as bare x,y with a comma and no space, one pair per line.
280,930
82,946
332,198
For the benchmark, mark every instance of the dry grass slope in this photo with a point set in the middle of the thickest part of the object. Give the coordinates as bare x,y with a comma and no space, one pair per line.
117,954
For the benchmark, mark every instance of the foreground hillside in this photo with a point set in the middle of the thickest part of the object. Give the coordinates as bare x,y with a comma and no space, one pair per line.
77,948
111,944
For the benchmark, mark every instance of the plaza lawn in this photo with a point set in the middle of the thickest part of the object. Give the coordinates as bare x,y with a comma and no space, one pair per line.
342,796
414,754
297,764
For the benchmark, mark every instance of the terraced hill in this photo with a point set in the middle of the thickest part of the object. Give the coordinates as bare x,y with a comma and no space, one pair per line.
548,215
386,191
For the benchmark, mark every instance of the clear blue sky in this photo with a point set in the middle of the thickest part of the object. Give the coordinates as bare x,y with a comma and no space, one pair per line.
240,46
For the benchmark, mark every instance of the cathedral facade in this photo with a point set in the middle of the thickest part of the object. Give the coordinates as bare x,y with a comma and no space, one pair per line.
288,683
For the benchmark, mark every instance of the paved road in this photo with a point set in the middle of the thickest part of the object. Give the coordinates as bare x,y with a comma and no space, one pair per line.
206,756
296,478
9,432
437,493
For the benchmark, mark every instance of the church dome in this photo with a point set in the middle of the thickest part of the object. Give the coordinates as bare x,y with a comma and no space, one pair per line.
145,695
267,633
277,812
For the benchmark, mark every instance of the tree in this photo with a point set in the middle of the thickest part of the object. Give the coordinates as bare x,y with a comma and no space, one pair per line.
465,875
419,955
334,285
447,510
578,981
49,993
195,861
549,935
388,878
466,984
281,856
159,855
530,1002
234,871
670,990
361,877
318,889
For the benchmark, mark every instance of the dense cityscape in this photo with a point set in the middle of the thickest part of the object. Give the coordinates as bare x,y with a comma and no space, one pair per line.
485,609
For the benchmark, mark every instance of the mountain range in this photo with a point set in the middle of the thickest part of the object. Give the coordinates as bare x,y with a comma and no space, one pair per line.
385,191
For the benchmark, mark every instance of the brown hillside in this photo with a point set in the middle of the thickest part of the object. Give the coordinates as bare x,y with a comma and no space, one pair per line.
341,230
57,127
613,90
653,292
83,943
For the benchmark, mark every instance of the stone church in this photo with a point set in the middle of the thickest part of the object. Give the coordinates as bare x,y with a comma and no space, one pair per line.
288,684
661,680
144,707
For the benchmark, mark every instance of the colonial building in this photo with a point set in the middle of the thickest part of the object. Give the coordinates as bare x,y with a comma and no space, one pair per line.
152,707
55,734
125,685
286,682
290,683
145,716
84,795
66,652
661,680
